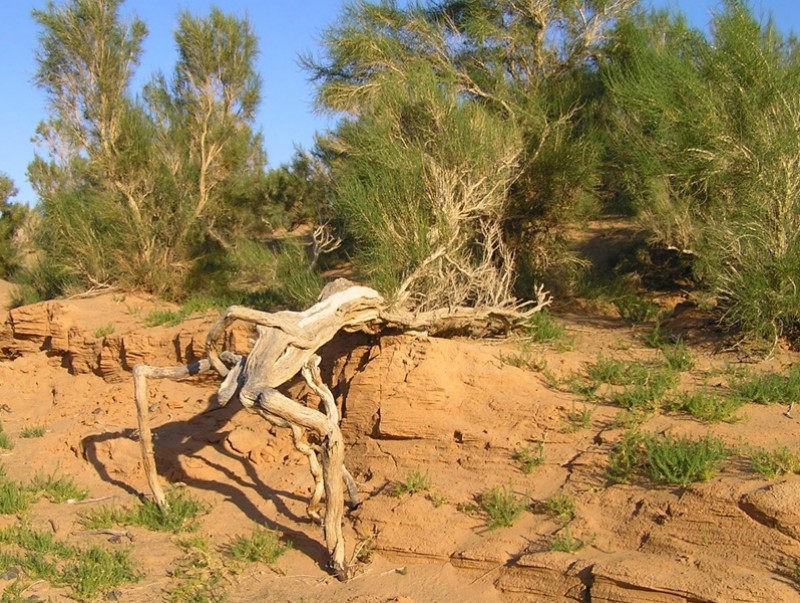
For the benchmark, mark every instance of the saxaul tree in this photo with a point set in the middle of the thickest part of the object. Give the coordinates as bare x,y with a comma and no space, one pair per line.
132,186
466,140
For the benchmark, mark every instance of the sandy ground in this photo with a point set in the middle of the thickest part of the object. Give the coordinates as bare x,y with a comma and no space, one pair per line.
456,411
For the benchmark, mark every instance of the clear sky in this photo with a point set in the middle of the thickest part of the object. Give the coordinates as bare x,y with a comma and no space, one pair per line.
285,30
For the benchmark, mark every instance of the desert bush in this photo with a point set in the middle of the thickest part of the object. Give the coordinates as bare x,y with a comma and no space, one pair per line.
682,460
261,545
706,406
771,464
767,388
708,125
502,506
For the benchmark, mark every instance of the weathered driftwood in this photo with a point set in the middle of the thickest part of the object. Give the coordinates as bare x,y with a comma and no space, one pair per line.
287,344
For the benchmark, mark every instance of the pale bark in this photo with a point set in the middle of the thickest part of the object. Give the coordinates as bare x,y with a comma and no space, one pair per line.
287,344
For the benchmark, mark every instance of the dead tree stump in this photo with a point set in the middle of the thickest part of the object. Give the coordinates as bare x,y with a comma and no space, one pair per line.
287,344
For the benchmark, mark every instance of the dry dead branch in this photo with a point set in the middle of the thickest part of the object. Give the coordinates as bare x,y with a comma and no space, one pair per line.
287,344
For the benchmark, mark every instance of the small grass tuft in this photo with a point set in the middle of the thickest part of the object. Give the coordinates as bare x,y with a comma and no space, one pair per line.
181,515
564,542
57,489
33,431
626,458
261,545
678,356
525,359
529,459
502,506
6,443
415,482
771,464
770,388
683,460
706,407
14,497
103,332
198,576
579,418
543,328
561,506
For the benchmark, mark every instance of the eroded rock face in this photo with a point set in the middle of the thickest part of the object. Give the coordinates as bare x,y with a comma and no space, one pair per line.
458,414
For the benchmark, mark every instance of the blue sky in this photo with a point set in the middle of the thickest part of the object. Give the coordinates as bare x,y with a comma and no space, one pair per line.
285,30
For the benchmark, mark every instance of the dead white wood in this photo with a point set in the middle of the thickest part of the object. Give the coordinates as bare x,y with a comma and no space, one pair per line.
287,344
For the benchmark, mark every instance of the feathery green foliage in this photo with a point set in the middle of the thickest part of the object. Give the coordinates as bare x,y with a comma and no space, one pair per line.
706,132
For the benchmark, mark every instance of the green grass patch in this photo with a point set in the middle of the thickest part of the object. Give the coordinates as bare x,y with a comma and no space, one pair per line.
96,570
15,497
769,388
529,459
181,515
683,460
564,542
416,481
647,389
543,328
191,306
502,506
706,407
579,418
57,489
105,331
561,506
33,431
87,573
774,463
678,356
262,545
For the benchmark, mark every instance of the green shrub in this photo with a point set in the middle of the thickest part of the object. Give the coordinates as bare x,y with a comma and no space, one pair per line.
529,459
181,515
261,545
773,463
626,458
706,407
769,388
415,482
561,505
502,506
681,461
542,327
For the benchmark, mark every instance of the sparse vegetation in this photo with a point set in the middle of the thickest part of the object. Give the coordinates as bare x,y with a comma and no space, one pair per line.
682,460
86,572
262,545
502,506
774,463
561,506
543,328
105,331
529,459
181,515
199,574
57,489
6,443
416,481
33,431
706,406
769,388
579,418
564,542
